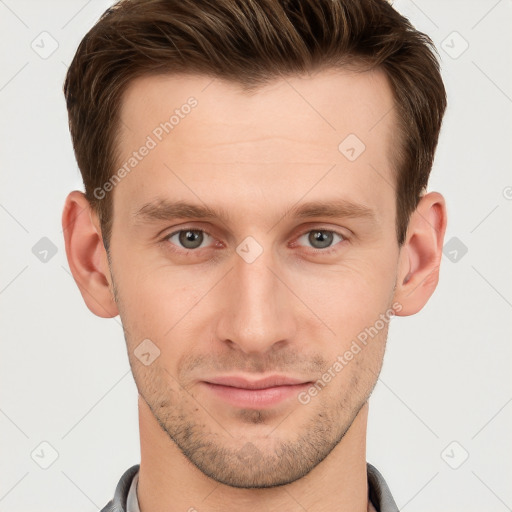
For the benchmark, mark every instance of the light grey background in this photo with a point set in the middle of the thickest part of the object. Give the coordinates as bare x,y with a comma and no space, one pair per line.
65,378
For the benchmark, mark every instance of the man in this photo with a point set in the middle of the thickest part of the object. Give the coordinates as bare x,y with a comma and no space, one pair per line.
255,210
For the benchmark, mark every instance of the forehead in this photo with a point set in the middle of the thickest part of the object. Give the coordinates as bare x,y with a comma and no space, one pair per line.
328,132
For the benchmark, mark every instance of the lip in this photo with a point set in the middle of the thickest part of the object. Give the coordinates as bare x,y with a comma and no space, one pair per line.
243,383
241,392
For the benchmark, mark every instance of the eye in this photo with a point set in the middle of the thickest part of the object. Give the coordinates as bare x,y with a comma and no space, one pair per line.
322,239
188,239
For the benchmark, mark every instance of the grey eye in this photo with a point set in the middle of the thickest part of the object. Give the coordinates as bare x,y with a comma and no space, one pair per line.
321,238
189,238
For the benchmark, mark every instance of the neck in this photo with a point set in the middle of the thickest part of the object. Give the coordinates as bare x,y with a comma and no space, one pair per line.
169,482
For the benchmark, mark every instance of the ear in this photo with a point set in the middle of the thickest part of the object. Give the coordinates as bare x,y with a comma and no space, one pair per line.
86,255
420,256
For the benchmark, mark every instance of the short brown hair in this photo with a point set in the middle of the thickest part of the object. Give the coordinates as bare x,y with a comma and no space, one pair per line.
251,42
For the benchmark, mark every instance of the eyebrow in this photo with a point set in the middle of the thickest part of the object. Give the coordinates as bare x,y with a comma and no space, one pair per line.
164,209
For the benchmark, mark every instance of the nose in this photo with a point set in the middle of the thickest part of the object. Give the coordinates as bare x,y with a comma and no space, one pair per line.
257,308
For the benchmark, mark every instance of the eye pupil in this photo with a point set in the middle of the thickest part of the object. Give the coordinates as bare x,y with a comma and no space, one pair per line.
189,238
324,237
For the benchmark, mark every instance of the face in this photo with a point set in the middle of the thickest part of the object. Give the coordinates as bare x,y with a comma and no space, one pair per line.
289,270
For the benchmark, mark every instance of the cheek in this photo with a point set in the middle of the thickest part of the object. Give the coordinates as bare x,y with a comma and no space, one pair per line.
358,361
349,296
155,299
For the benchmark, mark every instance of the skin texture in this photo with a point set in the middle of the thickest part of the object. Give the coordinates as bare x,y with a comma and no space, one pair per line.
291,311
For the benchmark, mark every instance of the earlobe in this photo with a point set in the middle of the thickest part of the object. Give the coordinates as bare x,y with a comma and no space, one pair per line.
420,256
86,255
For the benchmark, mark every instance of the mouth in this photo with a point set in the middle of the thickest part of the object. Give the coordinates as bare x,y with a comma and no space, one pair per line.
241,392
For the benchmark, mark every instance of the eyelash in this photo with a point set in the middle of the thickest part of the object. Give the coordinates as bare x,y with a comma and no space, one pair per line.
326,251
